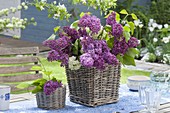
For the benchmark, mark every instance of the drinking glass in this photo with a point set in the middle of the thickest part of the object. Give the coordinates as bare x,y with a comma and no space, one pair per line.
161,80
141,90
153,96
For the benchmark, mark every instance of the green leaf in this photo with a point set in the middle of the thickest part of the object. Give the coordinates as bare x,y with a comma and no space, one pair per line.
117,17
37,89
132,26
82,14
126,28
110,11
56,28
123,11
74,24
120,58
126,35
52,37
108,28
48,73
23,85
36,68
75,47
38,82
132,52
134,16
128,60
110,42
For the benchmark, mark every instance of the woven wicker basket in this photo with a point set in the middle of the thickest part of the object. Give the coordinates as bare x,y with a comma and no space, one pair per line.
54,101
92,87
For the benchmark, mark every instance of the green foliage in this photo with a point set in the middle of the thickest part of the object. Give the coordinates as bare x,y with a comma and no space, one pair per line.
54,11
128,58
160,11
13,23
103,6
38,83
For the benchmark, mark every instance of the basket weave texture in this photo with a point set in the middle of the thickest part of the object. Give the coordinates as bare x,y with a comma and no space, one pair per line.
55,100
93,87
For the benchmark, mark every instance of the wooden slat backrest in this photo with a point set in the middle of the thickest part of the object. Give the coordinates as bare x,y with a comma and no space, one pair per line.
19,51
16,64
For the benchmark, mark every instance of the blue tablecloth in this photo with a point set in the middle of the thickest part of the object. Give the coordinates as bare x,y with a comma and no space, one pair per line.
128,101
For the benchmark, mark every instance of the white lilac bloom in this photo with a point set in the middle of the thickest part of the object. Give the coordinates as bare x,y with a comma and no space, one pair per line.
165,25
166,39
73,63
151,29
159,26
155,39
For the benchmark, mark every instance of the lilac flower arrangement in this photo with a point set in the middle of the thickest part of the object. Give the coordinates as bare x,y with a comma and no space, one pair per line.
87,43
47,84
50,86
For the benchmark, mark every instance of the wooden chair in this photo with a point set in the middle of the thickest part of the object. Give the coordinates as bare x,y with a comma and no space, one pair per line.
16,64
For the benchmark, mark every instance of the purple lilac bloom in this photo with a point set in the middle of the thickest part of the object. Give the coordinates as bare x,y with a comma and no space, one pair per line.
117,30
50,43
64,59
133,42
71,32
83,32
111,19
51,86
85,41
110,58
62,42
90,21
53,55
100,63
120,47
86,60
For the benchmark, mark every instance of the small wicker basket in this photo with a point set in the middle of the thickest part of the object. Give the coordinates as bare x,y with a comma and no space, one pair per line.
93,87
54,101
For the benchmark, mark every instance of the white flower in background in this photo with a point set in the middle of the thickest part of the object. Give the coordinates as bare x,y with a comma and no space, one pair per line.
9,25
55,2
155,39
166,39
166,58
155,25
42,8
23,3
137,22
19,7
151,20
140,25
43,0
165,25
159,26
139,41
73,63
25,7
127,25
151,29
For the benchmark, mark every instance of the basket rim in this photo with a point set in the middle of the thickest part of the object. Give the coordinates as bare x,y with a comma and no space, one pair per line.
42,92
